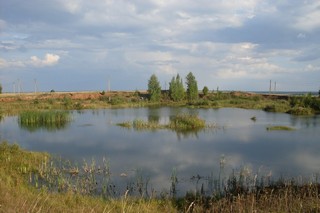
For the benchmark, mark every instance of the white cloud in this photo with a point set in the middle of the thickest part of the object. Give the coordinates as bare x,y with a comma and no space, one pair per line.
49,60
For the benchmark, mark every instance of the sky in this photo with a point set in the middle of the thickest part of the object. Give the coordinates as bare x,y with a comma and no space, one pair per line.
74,45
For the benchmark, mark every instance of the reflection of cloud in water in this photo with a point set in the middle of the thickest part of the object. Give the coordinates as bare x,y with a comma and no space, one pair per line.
307,161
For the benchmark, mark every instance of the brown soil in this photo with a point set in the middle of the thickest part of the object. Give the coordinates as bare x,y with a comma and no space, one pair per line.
9,97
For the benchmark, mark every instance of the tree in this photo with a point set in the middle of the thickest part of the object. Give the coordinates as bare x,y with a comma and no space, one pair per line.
154,88
0,88
205,90
176,89
192,87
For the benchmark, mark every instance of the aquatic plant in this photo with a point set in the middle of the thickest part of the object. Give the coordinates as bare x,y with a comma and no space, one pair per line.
186,122
50,120
283,128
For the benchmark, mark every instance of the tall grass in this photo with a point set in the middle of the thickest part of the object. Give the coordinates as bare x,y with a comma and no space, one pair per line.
187,122
50,120
241,191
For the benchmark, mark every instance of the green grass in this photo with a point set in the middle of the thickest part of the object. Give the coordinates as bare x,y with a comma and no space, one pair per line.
304,105
187,122
50,120
242,192
280,128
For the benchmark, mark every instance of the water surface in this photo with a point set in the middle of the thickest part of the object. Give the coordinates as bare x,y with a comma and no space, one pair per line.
238,142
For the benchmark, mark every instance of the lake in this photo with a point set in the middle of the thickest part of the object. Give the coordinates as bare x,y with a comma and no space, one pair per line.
237,144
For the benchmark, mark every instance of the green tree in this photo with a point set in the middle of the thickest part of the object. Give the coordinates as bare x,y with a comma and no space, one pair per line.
176,89
205,90
154,88
192,87
0,88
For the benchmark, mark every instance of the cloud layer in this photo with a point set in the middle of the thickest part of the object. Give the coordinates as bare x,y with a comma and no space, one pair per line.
237,45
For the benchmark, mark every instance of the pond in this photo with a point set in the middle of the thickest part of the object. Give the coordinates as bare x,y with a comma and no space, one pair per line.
238,143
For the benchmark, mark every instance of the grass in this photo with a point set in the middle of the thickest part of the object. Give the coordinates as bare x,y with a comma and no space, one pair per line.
14,104
50,120
280,128
187,122
242,191
17,195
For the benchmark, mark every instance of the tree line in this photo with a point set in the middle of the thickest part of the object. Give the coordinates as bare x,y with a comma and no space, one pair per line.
177,91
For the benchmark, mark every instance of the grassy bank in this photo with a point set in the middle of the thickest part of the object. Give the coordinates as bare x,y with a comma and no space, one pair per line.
18,167
17,195
297,105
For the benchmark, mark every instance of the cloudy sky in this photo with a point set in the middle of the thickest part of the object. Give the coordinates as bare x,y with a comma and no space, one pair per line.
69,45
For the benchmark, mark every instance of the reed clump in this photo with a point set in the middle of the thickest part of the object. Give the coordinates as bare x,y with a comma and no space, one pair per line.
280,128
50,120
187,122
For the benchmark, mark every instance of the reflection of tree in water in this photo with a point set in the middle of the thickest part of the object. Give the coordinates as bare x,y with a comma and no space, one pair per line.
154,115
307,121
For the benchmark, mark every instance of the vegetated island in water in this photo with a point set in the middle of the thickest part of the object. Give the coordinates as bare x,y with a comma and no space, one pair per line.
304,104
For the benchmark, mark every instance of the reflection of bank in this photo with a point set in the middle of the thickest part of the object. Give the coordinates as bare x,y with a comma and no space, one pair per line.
48,120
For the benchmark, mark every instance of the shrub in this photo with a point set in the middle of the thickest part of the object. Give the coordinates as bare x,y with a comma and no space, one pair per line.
187,122
205,90
300,111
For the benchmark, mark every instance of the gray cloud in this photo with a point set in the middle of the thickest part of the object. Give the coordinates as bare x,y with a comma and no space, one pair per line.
222,42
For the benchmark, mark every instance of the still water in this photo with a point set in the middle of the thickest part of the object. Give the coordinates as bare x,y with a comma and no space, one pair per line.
238,142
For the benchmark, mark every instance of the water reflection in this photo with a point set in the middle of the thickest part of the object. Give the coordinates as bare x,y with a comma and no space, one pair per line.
196,156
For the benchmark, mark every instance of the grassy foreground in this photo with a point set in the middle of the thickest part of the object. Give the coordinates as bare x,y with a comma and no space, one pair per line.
17,195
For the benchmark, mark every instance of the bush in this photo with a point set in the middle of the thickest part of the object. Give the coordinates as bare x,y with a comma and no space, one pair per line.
205,90
187,122
300,111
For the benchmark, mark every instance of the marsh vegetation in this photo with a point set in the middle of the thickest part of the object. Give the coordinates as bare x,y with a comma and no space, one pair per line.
63,186
50,120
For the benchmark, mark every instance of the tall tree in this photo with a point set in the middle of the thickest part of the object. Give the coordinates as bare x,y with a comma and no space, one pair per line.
192,87
176,89
0,88
154,88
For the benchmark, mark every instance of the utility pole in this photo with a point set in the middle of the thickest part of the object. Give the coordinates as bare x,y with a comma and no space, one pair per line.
19,86
270,87
14,87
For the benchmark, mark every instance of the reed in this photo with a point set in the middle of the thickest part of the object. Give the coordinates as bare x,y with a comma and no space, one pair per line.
50,120
280,128
241,191
187,122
